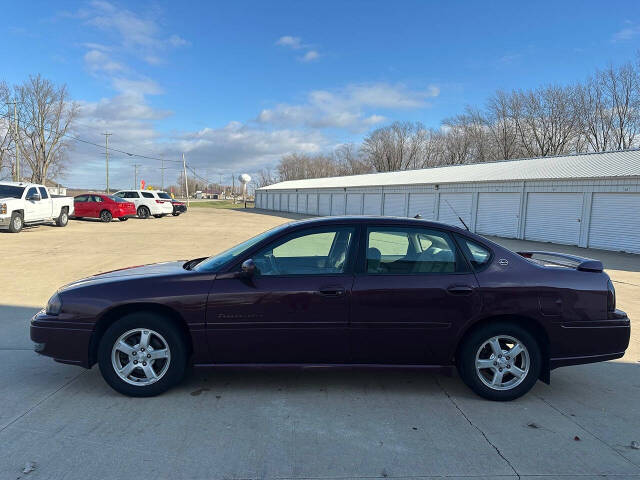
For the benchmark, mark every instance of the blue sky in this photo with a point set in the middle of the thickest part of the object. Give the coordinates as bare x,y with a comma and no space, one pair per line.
235,85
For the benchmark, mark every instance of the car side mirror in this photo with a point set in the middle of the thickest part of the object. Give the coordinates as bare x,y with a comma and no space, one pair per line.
248,268
34,197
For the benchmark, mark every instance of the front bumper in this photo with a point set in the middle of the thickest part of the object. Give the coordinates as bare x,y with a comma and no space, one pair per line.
61,338
579,342
5,221
179,208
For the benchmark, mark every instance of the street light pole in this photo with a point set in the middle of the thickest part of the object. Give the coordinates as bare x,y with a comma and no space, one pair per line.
106,154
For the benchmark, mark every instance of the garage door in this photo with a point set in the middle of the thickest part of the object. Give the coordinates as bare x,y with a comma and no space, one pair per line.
312,204
554,217
292,202
324,204
421,203
270,197
337,204
276,201
354,204
498,214
394,204
372,203
284,202
302,203
615,222
453,205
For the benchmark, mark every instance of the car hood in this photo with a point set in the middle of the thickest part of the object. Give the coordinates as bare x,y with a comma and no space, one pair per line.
131,273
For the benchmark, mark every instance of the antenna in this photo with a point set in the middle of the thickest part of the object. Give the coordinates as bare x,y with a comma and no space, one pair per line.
456,214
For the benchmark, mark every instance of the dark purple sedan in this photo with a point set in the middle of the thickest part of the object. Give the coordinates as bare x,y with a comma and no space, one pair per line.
343,292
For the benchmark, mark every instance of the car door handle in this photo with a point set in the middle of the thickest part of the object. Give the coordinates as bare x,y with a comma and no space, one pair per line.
460,290
332,291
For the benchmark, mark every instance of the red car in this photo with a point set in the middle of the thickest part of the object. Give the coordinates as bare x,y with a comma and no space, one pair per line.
104,207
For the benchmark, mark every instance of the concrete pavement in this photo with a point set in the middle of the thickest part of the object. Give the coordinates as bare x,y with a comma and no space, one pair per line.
315,423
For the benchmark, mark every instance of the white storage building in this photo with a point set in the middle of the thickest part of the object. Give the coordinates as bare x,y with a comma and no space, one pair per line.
589,200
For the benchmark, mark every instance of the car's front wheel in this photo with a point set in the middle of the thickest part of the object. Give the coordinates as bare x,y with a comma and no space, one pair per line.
144,212
142,355
500,361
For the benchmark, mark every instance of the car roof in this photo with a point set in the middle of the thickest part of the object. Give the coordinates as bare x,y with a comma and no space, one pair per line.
378,220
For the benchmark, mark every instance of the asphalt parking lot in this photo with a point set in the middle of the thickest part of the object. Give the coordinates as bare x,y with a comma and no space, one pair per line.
66,423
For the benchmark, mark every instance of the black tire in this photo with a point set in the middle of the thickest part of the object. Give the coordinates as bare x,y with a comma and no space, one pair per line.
123,219
106,216
63,218
471,346
170,332
144,212
175,214
158,216
17,222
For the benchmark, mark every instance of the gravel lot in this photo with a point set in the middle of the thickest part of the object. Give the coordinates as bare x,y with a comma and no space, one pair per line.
65,423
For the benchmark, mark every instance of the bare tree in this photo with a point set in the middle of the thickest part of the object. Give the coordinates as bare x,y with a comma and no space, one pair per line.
623,86
502,127
46,116
349,161
7,154
265,177
546,119
398,146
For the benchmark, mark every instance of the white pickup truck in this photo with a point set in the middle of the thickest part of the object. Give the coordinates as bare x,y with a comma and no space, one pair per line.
28,203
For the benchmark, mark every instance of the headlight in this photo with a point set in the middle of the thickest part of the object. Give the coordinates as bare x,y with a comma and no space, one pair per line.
3,208
54,305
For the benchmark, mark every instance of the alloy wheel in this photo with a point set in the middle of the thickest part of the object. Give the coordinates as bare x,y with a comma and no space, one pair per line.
502,362
140,356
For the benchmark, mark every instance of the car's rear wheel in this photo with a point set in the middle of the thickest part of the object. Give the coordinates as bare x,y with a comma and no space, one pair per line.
158,216
144,212
175,214
500,361
142,355
16,223
106,216
63,218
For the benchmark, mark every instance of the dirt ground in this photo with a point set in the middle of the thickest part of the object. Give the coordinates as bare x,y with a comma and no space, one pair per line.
68,424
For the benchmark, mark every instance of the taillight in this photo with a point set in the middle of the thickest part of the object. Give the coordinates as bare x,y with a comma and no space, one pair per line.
611,297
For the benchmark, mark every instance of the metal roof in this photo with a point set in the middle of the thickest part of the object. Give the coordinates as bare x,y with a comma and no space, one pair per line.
590,165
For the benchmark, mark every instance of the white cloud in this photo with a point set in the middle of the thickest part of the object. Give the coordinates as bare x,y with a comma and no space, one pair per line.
310,56
178,41
295,43
627,33
98,61
289,41
350,107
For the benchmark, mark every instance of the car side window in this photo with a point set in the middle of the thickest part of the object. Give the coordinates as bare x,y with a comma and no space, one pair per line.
147,195
43,192
119,194
32,191
478,255
80,199
410,251
310,252
97,199
131,195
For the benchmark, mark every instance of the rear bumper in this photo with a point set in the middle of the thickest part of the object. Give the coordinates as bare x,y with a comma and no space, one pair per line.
65,342
575,343
179,208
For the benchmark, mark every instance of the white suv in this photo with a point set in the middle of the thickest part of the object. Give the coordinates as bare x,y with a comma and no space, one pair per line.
147,202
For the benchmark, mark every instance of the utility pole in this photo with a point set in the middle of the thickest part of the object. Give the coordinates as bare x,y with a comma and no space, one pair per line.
186,183
135,175
162,172
106,155
233,187
15,138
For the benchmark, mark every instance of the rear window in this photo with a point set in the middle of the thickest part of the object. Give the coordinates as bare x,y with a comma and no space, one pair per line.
117,199
147,194
164,195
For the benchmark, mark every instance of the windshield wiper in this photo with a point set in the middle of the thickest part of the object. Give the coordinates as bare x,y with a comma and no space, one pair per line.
192,263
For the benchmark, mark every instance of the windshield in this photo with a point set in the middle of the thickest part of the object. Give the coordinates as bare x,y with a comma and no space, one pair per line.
164,195
11,191
213,264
